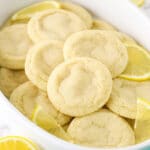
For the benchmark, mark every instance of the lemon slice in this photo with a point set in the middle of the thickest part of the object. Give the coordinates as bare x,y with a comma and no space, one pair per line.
142,122
28,12
138,2
25,14
138,68
47,122
16,143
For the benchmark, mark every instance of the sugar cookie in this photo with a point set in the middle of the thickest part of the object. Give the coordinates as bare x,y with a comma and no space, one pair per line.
123,99
45,103
41,60
25,98
14,45
80,11
101,129
79,86
101,45
10,79
54,24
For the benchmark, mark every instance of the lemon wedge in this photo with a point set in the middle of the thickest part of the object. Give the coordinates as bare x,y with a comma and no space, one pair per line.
142,122
16,143
47,122
24,15
138,2
138,68
28,12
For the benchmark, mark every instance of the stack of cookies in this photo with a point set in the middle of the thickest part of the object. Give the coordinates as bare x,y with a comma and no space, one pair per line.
69,63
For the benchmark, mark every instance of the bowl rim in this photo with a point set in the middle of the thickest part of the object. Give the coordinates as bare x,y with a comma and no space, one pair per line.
42,133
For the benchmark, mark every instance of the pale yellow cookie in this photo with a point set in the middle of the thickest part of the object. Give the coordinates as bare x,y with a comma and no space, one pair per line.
102,25
25,98
80,11
45,103
14,45
54,24
41,60
123,99
79,86
101,129
10,79
98,44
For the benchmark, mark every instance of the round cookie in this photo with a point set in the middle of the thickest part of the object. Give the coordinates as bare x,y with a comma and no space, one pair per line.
45,103
54,24
79,86
123,99
26,96
14,45
80,11
41,60
101,25
10,79
101,129
100,45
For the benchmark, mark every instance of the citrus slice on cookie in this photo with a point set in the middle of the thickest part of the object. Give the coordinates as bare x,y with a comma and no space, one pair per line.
47,122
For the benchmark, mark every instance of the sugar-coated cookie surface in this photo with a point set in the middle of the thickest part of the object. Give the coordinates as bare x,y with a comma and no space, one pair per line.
45,103
54,24
79,86
101,129
80,11
101,45
10,79
123,99
26,96
41,60
14,45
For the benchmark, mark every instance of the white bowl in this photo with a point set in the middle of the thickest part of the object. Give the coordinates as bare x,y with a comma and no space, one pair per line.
124,16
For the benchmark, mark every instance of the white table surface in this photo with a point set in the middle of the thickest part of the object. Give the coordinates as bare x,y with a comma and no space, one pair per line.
5,130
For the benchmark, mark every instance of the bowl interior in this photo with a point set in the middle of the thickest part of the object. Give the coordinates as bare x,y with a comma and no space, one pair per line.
5,12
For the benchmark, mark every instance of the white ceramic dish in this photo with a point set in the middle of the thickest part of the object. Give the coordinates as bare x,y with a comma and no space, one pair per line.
120,13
